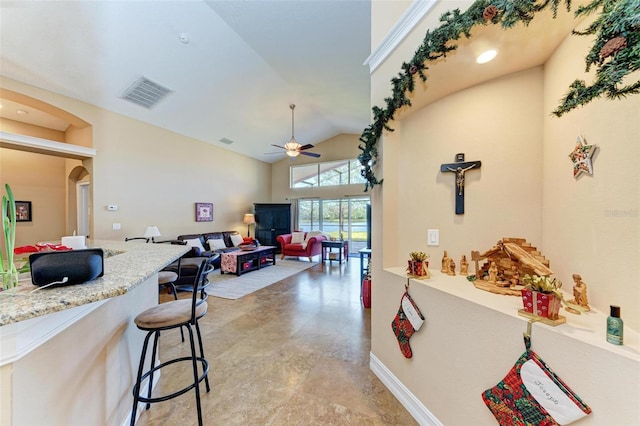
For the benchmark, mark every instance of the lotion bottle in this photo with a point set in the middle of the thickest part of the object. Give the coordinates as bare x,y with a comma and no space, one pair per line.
615,326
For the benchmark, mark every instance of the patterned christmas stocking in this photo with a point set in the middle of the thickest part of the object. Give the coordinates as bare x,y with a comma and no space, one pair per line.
531,394
407,321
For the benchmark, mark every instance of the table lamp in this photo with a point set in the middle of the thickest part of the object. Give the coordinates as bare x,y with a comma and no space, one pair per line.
249,219
152,232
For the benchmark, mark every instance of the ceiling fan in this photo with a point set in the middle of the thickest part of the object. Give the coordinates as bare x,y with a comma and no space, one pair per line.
292,147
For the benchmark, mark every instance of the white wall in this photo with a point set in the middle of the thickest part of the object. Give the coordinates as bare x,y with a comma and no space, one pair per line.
155,176
591,225
524,189
40,179
502,198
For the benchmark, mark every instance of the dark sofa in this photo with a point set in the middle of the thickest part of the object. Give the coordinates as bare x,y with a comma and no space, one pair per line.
187,266
225,236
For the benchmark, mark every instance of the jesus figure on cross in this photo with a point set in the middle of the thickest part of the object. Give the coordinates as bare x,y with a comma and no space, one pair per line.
460,176
460,167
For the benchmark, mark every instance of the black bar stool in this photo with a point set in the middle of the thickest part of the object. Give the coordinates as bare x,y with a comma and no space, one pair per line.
175,314
167,279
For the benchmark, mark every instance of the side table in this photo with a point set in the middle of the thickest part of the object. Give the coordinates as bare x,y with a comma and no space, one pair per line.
328,254
365,257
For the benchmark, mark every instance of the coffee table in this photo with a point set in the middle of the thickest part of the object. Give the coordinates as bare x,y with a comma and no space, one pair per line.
241,261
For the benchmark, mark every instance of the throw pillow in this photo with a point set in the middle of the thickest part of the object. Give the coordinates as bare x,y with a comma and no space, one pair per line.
236,239
297,238
195,242
312,234
217,244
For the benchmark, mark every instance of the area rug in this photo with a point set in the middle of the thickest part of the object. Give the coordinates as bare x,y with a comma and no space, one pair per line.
230,286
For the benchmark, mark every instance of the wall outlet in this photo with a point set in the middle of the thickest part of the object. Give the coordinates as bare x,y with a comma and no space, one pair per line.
112,208
116,226
433,237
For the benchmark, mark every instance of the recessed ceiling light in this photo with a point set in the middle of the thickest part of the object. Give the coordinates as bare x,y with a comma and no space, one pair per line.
486,56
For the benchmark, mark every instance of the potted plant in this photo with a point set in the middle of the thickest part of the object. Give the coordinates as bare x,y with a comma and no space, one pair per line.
8,270
418,265
541,296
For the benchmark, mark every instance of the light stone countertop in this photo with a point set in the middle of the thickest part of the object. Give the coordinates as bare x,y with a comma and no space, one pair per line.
126,265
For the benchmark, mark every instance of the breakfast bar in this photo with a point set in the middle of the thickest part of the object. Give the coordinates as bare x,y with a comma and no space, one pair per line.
68,354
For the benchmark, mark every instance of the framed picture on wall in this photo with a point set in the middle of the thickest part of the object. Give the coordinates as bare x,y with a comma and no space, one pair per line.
23,211
204,212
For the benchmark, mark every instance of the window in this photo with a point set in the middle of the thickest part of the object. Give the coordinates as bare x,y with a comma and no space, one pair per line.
333,173
346,217
304,176
308,214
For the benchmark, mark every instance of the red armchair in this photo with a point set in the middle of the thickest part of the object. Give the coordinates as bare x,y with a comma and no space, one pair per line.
311,246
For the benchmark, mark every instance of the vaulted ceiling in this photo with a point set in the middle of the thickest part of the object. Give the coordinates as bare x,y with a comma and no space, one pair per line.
233,67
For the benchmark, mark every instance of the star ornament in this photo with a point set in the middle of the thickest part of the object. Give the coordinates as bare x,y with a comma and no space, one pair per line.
581,157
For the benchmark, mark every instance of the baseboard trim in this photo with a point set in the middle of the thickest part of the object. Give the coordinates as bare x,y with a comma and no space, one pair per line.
413,405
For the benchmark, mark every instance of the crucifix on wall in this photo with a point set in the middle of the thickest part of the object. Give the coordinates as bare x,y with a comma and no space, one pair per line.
460,167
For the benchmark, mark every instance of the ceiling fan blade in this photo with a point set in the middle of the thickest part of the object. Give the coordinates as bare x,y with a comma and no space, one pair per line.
278,146
310,154
307,146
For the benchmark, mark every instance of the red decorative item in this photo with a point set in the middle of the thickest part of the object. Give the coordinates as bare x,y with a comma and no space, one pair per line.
541,304
407,321
514,401
25,249
413,69
40,247
366,293
418,268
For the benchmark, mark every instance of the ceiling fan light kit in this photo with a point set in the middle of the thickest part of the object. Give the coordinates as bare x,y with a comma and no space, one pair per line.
292,148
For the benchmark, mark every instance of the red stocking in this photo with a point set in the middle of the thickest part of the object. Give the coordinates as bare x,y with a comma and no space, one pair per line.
408,320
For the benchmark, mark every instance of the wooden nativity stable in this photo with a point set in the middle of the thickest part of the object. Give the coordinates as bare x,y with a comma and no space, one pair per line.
514,258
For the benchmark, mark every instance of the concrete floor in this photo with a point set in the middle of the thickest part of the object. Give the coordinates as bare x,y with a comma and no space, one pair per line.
293,353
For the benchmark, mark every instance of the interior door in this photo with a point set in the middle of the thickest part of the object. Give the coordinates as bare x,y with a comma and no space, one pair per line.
83,212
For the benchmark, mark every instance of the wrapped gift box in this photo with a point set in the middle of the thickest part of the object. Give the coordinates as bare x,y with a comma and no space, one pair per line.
541,304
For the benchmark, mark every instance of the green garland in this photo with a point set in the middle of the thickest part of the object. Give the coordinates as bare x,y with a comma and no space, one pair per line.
615,54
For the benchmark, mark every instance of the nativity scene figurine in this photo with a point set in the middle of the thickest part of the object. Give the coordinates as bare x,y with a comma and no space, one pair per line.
505,264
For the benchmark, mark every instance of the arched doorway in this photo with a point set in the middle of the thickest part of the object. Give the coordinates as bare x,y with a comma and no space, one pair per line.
52,131
79,202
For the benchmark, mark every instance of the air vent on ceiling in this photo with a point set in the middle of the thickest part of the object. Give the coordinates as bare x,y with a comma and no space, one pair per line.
145,93
227,141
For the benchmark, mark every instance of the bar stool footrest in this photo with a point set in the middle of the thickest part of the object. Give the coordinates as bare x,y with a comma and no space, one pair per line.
143,399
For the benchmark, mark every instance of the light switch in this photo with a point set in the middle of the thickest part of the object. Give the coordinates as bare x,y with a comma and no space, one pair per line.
433,237
116,226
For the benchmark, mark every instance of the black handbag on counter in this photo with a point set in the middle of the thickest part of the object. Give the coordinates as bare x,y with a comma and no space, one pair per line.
60,268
